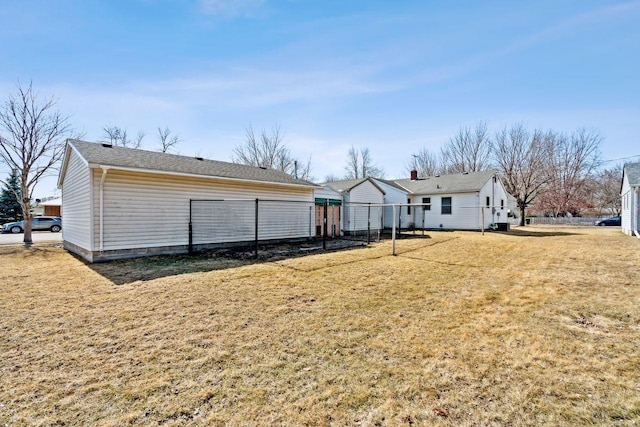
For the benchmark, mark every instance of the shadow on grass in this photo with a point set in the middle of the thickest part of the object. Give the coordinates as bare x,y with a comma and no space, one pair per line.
122,272
127,271
343,262
42,250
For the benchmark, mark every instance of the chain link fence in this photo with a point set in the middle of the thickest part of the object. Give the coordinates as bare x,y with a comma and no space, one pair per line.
251,223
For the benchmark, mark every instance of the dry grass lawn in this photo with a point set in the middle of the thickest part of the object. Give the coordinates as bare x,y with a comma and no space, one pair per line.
533,327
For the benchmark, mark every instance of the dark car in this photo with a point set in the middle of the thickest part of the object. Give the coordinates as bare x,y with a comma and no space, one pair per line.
51,223
613,221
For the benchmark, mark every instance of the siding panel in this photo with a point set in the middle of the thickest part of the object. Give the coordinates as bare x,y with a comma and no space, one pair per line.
356,217
149,210
76,203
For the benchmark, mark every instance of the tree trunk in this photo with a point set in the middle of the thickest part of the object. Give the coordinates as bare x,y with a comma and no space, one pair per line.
26,209
522,213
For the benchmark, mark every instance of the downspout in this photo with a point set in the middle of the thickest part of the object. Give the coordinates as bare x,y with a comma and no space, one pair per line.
102,179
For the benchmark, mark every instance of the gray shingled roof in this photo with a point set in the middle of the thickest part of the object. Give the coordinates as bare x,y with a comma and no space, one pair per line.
390,183
451,183
633,173
100,154
348,184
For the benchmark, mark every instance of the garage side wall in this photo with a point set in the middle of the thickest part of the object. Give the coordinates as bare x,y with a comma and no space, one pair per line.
146,211
355,217
76,204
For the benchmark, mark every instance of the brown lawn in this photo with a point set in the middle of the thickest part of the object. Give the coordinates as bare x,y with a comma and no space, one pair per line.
535,327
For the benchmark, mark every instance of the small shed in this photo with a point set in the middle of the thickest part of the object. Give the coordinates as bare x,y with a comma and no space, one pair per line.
630,193
121,202
356,194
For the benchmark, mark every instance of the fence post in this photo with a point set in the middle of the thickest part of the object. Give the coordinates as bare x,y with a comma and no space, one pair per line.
369,224
324,224
190,228
393,231
256,232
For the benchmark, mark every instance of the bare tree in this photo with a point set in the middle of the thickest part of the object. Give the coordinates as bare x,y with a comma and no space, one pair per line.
468,151
117,136
331,177
353,164
520,158
360,165
570,163
269,151
167,140
32,141
425,163
607,190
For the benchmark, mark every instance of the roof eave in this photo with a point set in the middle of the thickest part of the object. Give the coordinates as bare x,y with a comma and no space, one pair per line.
194,175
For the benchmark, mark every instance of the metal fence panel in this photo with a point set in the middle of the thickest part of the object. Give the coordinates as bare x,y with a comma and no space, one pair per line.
285,220
222,221
233,221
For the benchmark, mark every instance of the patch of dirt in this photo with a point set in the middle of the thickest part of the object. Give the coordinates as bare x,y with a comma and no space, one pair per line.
284,250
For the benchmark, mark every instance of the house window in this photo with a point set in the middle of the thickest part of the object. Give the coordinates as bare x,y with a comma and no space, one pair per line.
501,203
446,206
426,200
409,207
488,201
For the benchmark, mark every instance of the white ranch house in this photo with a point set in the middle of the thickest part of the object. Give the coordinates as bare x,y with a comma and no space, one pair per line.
630,193
120,202
463,201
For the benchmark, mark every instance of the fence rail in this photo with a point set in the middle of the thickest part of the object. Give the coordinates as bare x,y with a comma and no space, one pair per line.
563,220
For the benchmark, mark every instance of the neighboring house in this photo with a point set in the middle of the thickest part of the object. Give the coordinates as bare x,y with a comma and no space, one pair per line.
326,196
630,193
394,194
463,201
121,202
50,207
355,195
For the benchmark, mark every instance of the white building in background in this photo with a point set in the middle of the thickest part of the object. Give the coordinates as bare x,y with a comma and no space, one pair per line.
630,193
356,193
461,201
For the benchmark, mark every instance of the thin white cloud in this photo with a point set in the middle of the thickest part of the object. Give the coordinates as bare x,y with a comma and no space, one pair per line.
231,8
241,88
579,21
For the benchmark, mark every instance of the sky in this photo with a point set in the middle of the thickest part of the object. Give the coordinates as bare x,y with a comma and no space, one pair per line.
391,76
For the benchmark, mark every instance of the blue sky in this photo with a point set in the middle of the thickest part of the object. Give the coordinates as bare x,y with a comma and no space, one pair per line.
391,76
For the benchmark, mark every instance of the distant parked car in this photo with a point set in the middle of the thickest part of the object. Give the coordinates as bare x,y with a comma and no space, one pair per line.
51,223
614,221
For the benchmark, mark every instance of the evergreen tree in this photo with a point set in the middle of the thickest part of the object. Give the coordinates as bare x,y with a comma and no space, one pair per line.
10,209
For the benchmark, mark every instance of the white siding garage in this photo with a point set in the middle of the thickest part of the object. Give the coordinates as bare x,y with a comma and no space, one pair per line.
120,202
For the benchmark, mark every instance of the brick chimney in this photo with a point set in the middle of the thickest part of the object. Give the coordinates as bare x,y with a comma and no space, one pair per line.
414,175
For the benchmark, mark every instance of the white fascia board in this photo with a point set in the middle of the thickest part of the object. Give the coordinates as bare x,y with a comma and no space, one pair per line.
65,162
